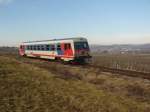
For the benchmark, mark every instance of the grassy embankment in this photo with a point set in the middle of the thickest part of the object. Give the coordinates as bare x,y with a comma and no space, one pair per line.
24,87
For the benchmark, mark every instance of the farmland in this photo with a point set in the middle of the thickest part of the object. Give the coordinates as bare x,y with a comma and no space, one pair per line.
134,62
28,84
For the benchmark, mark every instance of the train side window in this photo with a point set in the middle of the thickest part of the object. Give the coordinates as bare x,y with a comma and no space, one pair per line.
31,47
47,47
58,47
53,47
42,47
38,48
34,47
28,48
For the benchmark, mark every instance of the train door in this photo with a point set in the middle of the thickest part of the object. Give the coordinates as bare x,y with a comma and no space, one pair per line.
59,49
68,50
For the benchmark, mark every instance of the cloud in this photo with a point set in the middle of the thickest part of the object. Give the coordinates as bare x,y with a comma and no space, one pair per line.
2,2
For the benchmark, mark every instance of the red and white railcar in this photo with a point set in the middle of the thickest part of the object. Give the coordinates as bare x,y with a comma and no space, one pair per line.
70,49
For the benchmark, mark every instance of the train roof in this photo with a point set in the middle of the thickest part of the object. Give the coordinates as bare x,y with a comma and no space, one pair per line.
74,39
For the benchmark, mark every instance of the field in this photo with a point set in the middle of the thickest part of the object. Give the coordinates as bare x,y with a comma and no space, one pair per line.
134,62
35,85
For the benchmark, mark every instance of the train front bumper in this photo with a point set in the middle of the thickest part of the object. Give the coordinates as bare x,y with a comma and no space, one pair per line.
85,59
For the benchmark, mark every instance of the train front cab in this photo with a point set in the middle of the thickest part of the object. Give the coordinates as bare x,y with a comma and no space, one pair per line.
82,52
74,52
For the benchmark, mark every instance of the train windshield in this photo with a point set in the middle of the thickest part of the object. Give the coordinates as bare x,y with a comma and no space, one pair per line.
81,45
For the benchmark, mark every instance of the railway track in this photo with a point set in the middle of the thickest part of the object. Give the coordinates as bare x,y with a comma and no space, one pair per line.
137,74
129,73
143,75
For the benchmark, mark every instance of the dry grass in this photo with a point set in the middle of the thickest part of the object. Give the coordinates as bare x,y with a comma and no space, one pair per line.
28,88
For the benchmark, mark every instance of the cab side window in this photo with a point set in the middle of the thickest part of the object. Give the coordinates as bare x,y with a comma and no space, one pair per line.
21,47
67,46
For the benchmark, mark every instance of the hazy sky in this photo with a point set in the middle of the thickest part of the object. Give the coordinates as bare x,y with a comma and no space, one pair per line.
101,21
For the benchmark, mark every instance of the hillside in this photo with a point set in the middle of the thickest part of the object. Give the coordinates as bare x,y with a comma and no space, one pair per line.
25,87
104,49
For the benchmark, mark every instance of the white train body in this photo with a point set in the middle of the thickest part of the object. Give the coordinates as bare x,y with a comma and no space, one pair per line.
71,49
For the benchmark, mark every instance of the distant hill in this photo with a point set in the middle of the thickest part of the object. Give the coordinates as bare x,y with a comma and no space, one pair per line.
126,48
112,49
